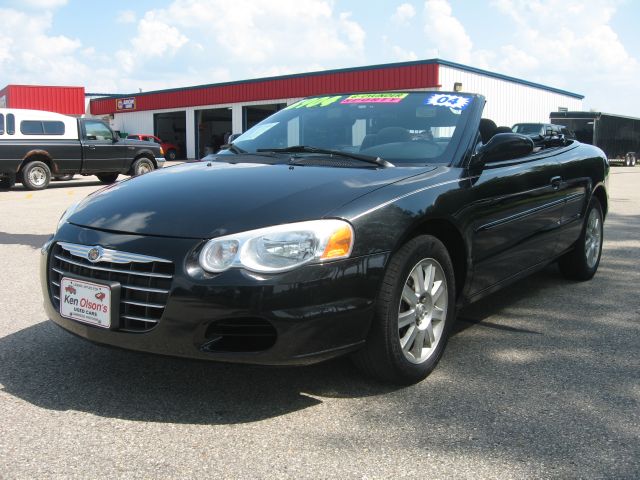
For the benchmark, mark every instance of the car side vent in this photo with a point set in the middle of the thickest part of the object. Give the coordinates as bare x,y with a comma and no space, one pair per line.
240,335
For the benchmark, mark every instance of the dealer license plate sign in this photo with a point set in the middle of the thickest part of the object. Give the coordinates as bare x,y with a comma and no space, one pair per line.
85,302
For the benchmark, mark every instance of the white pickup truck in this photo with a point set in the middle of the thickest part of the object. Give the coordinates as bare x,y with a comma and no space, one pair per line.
36,146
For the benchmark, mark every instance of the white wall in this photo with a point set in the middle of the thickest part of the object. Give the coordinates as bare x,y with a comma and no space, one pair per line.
133,122
509,102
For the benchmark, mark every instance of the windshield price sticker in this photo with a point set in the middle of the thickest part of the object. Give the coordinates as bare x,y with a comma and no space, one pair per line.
85,302
456,102
315,102
376,98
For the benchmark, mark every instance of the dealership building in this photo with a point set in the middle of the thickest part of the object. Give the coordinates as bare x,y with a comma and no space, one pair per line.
200,118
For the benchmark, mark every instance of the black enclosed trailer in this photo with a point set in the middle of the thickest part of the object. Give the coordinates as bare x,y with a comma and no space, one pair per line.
618,136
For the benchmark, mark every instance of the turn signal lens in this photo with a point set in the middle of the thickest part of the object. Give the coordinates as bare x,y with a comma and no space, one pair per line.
339,244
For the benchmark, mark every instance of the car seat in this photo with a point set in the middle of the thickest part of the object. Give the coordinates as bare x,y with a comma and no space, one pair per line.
487,129
386,135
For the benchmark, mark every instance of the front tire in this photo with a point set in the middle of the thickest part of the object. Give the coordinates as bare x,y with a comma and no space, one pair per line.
141,166
414,313
171,155
107,178
582,262
36,176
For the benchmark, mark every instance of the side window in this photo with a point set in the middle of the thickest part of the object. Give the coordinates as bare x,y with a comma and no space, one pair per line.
97,131
31,127
52,127
38,127
1,123
11,124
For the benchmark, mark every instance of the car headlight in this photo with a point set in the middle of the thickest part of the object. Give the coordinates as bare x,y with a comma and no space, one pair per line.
279,248
65,216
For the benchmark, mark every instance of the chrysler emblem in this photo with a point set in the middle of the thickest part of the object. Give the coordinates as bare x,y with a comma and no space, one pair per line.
94,254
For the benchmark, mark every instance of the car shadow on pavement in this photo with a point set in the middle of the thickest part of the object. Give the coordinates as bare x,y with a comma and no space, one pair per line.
76,182
52,369
33,241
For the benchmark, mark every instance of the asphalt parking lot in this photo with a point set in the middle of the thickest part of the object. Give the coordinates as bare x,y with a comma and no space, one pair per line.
541,380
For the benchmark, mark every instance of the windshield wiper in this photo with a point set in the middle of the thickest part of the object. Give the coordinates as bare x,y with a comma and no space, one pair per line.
338,153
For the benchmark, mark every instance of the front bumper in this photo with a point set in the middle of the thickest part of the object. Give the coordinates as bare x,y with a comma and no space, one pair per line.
160,161
316,312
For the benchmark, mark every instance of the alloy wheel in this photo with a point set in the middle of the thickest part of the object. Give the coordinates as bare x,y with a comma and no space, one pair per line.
593,238
422,310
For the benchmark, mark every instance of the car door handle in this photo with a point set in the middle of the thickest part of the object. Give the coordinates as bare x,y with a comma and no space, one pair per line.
556,182
92,147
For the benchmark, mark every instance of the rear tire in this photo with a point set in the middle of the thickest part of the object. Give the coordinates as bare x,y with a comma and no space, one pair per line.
415,310
36,176
582,262
107,178
141,166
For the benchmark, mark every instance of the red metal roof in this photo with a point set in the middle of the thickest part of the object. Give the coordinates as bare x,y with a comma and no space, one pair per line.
362,79
66,100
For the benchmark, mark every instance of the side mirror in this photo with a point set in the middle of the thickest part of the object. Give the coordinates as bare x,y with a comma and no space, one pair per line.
503,146
230,140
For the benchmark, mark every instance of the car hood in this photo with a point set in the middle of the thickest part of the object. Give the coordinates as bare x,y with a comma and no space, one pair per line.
209,199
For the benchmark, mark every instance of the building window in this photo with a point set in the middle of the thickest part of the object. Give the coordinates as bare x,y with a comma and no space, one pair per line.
11,124
1,123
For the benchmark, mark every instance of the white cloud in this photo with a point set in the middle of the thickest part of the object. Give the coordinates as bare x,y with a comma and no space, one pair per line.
44,4
403,55
267,34
568,41
154,39
126,16
403,14
189,42
447,35
29,55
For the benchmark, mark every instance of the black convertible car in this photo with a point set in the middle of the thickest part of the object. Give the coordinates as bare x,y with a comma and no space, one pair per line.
346,223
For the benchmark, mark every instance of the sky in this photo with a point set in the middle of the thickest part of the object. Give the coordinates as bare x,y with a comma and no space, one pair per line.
589,47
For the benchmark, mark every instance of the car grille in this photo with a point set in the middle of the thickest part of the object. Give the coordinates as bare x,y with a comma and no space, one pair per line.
144,281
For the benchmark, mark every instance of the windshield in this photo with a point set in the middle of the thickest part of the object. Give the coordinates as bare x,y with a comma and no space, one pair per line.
417,127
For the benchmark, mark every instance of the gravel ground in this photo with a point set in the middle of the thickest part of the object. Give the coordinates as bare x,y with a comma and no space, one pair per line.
541,380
